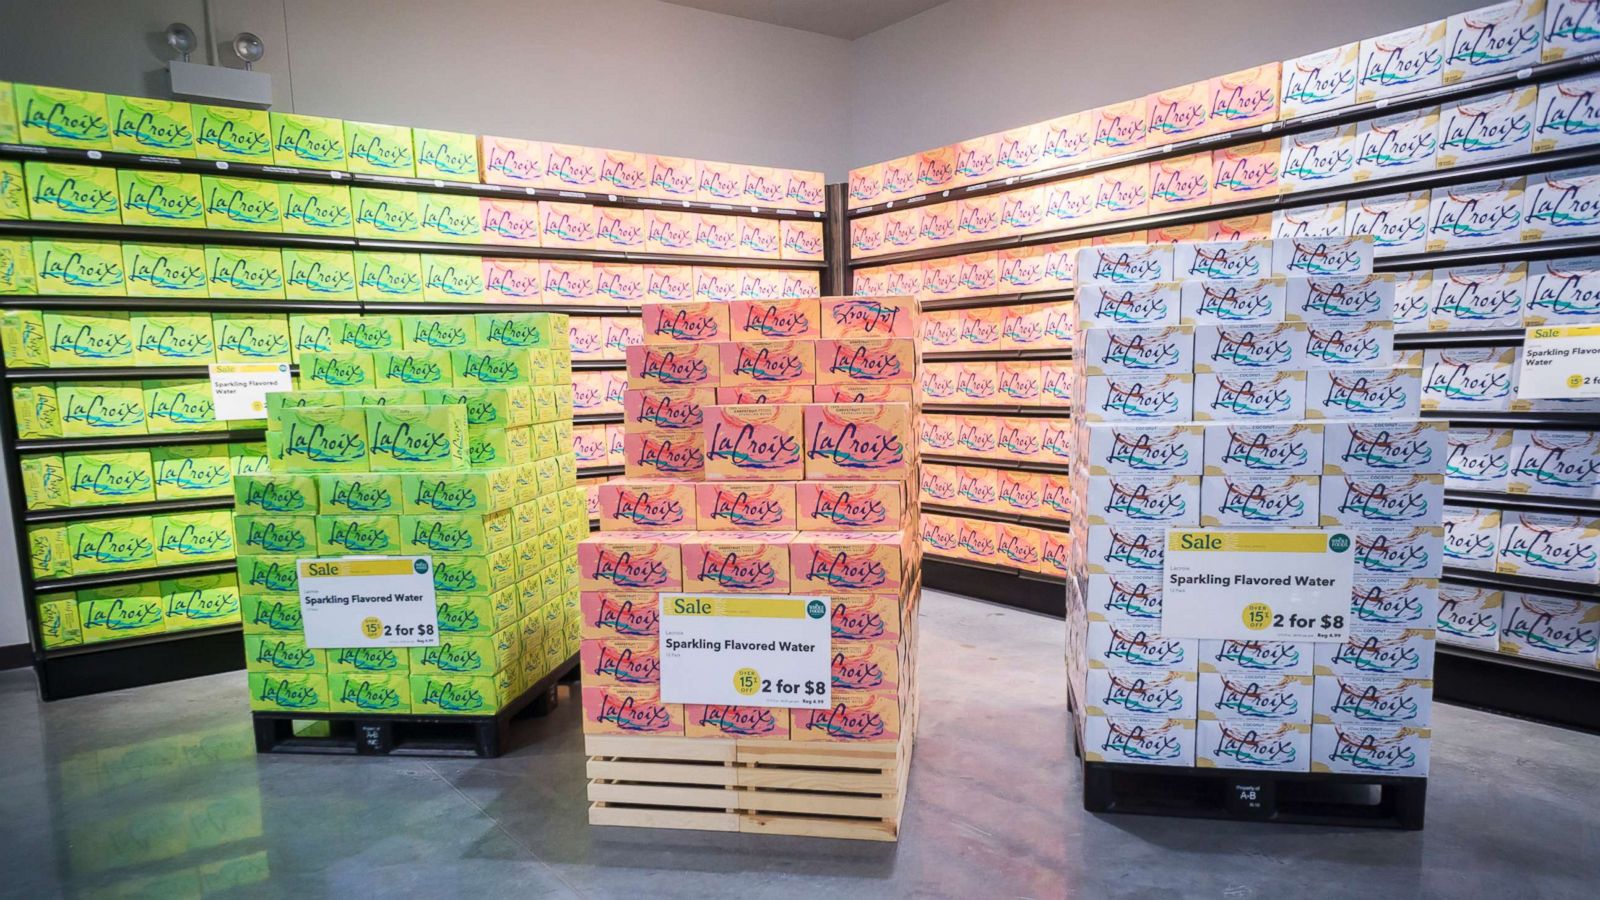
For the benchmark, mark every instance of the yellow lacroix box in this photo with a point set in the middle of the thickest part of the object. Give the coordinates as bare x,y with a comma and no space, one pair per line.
754,561
745,506
850,506
858,441
833,562
754,442
855,717
765,362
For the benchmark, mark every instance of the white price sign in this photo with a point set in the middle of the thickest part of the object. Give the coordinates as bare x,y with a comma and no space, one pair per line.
1560,361
1257,585
239,390
746,650
368,601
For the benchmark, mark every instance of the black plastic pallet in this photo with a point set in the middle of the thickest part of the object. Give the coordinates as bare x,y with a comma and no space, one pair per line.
355,734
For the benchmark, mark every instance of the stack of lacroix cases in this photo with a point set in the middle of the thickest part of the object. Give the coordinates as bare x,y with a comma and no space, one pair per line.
771,449
474,472
1250,385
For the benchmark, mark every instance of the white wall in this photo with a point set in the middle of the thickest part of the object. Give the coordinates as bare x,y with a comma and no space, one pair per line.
972,67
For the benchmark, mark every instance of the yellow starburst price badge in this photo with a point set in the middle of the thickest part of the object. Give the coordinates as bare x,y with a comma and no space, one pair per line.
747,681
1257,616
372,627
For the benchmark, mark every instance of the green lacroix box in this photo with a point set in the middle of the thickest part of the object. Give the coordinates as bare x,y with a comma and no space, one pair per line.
232,134
490,368
289,691
310,142
166,270
161,198
368,660
412,368
329,439
485,406
448,533
200,601
50,551
190,537
241,204
368,333
319,274
111,618
58,621
416,438
44,481
113,476
179,406
8,116
282,653
37,409
445,155
452,492
315,333
467,615
103,545
339,535
17,270
386,214
276,494
90,408
337,370
59,117
81,268
388,276
380,149
172,338
249,457
157,127
201,470
541,371
452,279
545,403
89,338
457,574
359,493
439,332
269,575
251,337
275,535
13,191
316,208
66,193
488,447
246,273
516,330
456,655
450,218
385,397
545,441
368,693
23,337
562,410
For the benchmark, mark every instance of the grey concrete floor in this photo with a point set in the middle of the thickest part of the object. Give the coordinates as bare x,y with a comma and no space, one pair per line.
157,792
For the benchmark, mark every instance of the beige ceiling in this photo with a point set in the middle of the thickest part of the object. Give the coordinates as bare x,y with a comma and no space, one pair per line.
848,19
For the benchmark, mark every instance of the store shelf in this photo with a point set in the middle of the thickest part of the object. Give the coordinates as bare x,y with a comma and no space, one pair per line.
149,640
448,308
991,409
963,512
116,665
987,300
113,510
86,231
1504,168
1062,354
1495,581
1533,503
1498,253
131,576
599,365
1488,337
986,462
1031,591
599,419
600,472
566,253
1553,421
1528,688
133,441
1556,71
112,373
177,304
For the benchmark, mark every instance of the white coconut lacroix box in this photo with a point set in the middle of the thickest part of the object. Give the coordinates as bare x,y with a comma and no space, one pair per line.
1141,740
1401,62
1273,501
1558,629
1138,351
1479,129
1371,394
1471,537
1398,144
1125,305
1401,447
1476,215
1490,296
1341,299
1372,699
1121,449
1125,264
1563,292
1232,397
1222,260
1398,223
1382,499
1371,749
1568,116
1493,39
1562,204
1478,459
1470,616
1143,500
1139,398
1232,302
1262,697
1265,448
1263,349
1469,378
1254,746
1555,464
1319,82
1314,257
1545,545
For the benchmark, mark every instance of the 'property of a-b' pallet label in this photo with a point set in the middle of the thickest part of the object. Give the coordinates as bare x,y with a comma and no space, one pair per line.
1257,585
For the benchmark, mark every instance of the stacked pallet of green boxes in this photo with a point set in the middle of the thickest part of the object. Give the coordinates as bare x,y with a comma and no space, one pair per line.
461,455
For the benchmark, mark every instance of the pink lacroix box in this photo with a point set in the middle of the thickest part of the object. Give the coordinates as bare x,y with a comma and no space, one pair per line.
805,189
866,666
1246,98
800,240
739,562
940,331
864,393
620,614
591,495
673,365
1242,228
1019,438
716,235
1123,192
978,217
936,383
512,281
1057,444
1140,236
741,722
977,382
893,231
1055,553
979,539
1178,114
975,436
1120,127
631,561
983,328
1246,171
859,441
1177,234
1181,183
759,238
763,284
766,394
616,388
1055,383
672,177
1019,545
567,281
800,284
766,362
937,535
938,224
1020,492
669,284
976,486
936,168
670,231
1019,150
620,228
616,449
867,236
936,434
938,484
754,442
683,323
868,316
716,284
866,617
589,445
625,173
647,505
1022,211
850,506
867,562
511,161
622,333
1069,139
866,361
1021,269
571,225
903,280
664,454
572,167
1055,496
865,185
630,710
745,506
620,662
977,273
510,222
855,717
587,337
769,320
622,283
1020,381
1070,203
588,393
976,158
719,182
1022,328
764,186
